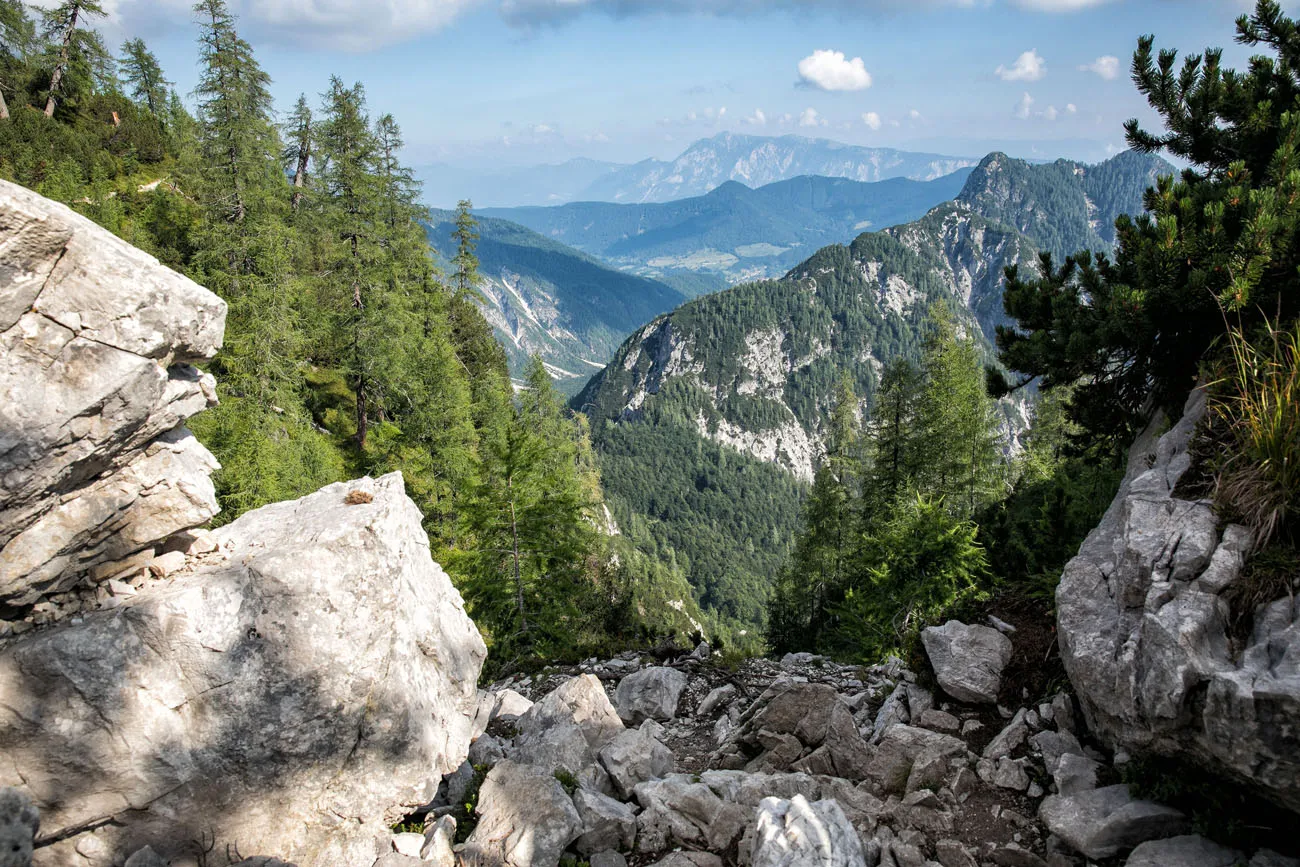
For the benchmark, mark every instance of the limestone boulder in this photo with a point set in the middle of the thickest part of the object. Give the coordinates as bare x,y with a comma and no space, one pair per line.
1101,823
1187,851
97,346
798,832
568,727
19,823
633,757
967,660
651,693
1142,624
293,699
525,819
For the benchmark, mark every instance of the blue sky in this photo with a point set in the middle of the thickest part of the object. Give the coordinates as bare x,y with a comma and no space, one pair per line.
518,82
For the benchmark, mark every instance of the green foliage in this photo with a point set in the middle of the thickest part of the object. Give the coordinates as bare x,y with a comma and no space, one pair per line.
1134,330
920,564
1257,407
142,73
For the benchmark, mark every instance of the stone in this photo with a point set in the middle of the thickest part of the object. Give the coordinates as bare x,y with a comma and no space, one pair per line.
146,857
1143,631
1009,739
97,346
902,747
793,832
298,697
1063,712
1101,823
408,843
688,859
1186,851
678,811
717,698
566,729
634,757
651,693
19,823
797,726
525,819
607,859
439,837
892,712
938,720
166,564
397,859
967,660
1010,774
952,853
1053,746
606,823
1269,858
510,705
486,751
1014,856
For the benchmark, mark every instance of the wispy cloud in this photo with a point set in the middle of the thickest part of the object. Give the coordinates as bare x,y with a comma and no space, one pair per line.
809,118
1029,66
1106,66
872,120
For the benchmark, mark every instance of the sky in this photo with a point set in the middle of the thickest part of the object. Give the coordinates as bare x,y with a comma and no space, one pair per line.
483,83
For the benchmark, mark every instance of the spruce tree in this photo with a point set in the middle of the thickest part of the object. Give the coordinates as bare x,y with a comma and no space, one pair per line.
17,33
141,72
895,453
465,260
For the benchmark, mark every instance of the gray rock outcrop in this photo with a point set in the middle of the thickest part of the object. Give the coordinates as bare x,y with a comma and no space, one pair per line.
525,819
1104,822
292,696
19,823
1143,634
651,693
97,343
967,660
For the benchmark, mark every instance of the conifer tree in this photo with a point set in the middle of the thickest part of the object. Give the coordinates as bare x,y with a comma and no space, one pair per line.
141,72
895,454
75,49
16,35
465,260
297,154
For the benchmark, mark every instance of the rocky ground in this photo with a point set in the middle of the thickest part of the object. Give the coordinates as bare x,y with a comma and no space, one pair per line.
683,763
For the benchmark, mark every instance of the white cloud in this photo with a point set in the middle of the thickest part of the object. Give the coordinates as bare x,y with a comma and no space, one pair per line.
1071,108
810,117
1059,5
1029,66
1051,113
542,129
1025,107
914,114
351,25
872,120
831,70
757,118
1106,66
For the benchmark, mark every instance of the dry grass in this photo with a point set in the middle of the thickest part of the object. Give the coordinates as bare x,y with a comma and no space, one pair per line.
358,497
1257,404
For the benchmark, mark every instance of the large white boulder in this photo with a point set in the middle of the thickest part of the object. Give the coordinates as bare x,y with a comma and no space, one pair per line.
651,693
525,819
1142,623
292,697
796,832
97,343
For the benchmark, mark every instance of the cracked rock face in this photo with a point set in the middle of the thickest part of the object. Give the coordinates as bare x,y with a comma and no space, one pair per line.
97,342
1142,625
291,697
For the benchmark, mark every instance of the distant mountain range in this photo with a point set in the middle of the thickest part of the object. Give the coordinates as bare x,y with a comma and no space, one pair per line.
727,398
544,298
704,166
736,232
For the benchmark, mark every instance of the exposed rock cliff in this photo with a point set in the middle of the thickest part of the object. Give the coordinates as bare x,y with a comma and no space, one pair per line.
1143,631
97,342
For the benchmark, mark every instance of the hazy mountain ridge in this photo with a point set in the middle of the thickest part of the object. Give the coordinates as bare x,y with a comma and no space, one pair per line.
544,298
705,165
735,231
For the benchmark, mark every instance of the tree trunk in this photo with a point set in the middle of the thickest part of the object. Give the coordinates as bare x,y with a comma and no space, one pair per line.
519,582
56,79
4,107
300,176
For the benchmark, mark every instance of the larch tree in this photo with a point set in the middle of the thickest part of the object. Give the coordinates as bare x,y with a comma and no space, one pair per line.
73,43
465,261
140,70
297,154
16,35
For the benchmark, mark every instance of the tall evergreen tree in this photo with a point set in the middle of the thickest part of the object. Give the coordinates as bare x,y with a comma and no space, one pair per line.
895,453
297,154
75,49
17,33
465,260
141,72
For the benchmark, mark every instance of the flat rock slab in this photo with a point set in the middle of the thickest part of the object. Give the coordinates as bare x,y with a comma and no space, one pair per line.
1186,851
1104,822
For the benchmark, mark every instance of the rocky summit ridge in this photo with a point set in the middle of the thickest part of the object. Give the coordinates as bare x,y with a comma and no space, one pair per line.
299,688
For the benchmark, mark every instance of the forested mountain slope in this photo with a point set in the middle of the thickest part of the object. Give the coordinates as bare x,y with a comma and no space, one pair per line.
734,231
543,298
747,376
